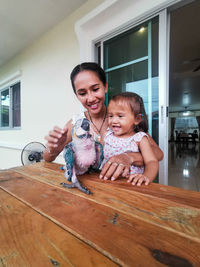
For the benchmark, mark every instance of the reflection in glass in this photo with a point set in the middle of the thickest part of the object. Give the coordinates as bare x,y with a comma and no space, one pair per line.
5,106
131,64
16,106
124,79
126,47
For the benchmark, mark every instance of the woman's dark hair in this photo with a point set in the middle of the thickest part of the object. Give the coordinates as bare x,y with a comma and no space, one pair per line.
137,107
91,66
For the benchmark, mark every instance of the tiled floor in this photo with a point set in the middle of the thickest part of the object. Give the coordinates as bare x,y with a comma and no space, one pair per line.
184,166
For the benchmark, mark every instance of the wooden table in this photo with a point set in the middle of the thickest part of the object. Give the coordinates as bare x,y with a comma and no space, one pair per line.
43,224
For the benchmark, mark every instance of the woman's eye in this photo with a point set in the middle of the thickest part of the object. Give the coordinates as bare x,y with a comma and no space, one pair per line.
95,89
81,94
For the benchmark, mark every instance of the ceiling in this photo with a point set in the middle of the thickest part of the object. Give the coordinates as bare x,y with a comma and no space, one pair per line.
184,82
23,21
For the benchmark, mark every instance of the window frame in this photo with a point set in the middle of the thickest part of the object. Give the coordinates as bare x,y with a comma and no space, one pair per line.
11,123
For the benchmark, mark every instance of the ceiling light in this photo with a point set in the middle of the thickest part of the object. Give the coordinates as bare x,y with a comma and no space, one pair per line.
141,29
186,173
186,113
186,99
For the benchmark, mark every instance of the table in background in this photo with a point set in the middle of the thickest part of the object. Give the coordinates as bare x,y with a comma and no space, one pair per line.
43,224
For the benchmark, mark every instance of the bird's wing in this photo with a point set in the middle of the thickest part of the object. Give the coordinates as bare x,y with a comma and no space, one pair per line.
69,159
99,155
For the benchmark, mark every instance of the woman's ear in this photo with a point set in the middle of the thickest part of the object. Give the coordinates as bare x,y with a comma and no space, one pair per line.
106,88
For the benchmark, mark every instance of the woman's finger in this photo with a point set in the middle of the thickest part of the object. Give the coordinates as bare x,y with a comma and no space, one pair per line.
58,129
51,139
107,170
111,170
118,171
126,172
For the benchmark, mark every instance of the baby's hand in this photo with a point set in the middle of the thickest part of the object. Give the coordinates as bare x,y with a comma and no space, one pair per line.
138,179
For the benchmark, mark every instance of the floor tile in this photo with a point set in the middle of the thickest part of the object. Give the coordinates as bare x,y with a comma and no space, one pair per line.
184,166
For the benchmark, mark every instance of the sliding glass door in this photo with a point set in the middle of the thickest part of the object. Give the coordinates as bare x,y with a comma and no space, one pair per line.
132,62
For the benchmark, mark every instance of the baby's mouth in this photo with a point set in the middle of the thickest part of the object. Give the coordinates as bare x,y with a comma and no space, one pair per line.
116,128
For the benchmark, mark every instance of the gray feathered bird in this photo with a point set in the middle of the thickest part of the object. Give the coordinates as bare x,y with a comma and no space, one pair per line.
81,154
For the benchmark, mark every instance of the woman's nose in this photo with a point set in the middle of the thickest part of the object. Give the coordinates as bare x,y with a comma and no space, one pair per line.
91,97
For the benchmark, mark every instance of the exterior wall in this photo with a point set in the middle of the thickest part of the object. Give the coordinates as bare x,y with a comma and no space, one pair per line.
47,98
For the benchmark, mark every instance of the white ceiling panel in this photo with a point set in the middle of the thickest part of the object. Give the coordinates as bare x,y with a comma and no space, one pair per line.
23,21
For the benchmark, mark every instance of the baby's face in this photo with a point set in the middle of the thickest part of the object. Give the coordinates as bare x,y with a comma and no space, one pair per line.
121,119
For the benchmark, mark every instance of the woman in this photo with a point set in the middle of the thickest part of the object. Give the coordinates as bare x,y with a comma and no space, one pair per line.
89,84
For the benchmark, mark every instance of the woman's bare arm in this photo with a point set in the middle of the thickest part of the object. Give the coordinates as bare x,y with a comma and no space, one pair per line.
113,171
56,141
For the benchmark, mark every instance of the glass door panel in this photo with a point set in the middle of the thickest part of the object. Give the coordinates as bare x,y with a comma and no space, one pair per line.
131,64
126,47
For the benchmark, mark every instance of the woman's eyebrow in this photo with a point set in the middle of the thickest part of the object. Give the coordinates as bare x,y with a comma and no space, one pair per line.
80,90
93,85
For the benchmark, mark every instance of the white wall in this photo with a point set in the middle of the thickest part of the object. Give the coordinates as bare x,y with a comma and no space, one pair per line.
47,98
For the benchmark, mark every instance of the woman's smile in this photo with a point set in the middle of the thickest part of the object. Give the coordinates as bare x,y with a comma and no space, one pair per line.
93,106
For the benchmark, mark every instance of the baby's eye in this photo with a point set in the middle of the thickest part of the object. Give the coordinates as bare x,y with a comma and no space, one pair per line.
121,116
110,115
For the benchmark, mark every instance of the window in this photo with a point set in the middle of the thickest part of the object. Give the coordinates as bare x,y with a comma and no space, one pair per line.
187,124
10,106
130,61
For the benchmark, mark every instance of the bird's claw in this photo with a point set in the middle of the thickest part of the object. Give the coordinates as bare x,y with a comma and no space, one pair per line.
79,186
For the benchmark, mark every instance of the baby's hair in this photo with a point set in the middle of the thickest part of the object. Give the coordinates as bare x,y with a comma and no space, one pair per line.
137,107
88,66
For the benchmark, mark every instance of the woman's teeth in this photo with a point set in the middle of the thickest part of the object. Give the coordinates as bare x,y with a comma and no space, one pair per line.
94,106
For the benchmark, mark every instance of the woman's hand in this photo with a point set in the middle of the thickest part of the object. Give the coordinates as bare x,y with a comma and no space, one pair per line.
138,179
56,141
116,166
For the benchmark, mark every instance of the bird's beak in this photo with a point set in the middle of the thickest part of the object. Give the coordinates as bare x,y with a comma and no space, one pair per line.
88,135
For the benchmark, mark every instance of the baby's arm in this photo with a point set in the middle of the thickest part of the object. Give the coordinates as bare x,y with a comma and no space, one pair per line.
156,149
137,158
150,162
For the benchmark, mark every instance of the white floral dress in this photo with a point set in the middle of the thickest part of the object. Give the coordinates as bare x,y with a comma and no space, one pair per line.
115,145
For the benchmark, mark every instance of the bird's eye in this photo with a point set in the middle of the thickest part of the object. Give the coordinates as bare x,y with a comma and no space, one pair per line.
82,136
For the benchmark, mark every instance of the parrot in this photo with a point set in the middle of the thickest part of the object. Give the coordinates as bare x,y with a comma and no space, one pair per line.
81,155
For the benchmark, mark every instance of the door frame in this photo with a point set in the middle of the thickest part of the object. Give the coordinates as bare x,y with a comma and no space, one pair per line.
163,85
163,93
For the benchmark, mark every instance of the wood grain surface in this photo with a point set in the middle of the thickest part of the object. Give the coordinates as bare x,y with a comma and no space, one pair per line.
29,239
132,226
